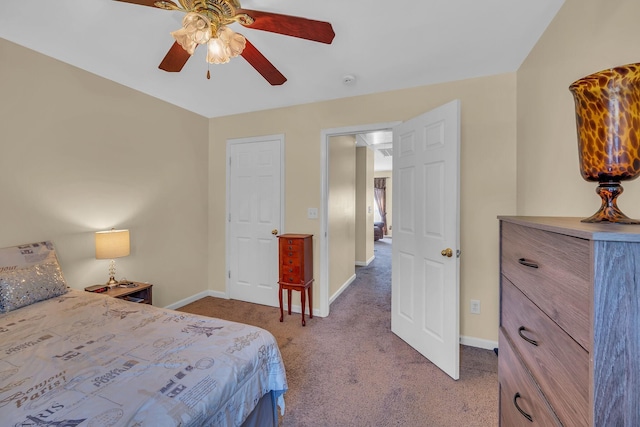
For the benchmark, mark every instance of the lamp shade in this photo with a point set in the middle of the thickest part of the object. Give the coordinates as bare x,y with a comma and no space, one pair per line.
112,244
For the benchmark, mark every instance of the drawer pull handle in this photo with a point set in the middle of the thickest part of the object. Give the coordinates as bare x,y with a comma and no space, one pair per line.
515,402
527,263
527,339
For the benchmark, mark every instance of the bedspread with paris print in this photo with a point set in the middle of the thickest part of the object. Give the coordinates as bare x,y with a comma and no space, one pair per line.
84,359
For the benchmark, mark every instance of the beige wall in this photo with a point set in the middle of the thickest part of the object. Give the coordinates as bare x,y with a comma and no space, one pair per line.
342,211
488,172
81,154
388,197
364,205
586,36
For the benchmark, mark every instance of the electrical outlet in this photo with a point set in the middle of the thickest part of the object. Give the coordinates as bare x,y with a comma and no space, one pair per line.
475,306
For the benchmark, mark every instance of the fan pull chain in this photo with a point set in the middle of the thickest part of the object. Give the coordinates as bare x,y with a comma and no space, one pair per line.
208,72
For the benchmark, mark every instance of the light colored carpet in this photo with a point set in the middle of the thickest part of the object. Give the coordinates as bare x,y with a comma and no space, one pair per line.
349,369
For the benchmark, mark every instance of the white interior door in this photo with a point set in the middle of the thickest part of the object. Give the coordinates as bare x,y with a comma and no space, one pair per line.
254,200
425,283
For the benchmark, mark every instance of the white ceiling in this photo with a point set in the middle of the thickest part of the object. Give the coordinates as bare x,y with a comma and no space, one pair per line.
381,143
386,45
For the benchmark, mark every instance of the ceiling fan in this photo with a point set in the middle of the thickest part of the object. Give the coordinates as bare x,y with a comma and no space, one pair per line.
206,22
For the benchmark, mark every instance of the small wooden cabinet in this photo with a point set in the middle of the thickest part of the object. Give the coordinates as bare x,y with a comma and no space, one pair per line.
141,293
569,322
296,270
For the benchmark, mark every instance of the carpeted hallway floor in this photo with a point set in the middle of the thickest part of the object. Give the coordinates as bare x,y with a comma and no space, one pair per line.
348,369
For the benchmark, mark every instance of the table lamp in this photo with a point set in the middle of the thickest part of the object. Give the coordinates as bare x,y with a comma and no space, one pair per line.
110,245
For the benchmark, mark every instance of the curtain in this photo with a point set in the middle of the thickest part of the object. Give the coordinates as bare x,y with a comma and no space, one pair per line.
380,195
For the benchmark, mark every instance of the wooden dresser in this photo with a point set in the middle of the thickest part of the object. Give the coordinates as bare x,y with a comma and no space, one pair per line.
296,270
569,344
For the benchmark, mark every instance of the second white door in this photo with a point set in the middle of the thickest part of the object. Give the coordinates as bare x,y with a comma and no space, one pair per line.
254,200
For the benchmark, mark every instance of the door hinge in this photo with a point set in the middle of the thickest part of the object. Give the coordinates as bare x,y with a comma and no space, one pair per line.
229,274
229,217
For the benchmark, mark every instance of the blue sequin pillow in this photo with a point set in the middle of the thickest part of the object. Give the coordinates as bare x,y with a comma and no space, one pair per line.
28,274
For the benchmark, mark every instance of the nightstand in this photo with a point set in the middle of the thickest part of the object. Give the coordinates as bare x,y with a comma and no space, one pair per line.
142,293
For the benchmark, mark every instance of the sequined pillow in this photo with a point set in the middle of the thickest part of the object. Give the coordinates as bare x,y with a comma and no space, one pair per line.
28,274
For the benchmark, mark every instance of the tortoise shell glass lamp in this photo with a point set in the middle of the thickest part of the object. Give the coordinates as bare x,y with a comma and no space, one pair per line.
608,124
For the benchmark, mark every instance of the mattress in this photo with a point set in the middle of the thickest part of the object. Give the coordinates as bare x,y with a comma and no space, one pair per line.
84,359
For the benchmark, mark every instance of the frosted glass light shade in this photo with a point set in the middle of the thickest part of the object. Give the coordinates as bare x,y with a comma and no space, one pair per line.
217,52
112,244
196,29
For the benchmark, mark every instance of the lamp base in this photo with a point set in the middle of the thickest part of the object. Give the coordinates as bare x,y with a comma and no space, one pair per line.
609,211
112,282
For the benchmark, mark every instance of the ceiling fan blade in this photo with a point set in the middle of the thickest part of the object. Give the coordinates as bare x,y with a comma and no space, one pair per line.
175,59
262,65
294,26
141,2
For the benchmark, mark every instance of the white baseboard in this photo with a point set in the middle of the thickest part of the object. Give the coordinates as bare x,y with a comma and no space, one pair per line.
367,262
478,342
196,297
342,289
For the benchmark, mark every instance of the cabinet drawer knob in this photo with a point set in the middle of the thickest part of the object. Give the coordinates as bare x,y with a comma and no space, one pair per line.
527,339
515,402
527,263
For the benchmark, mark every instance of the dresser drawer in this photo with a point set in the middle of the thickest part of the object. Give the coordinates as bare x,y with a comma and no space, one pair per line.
289,269
290,274
291,280
553,270
290,254
559,365
289,262
519,395
291,244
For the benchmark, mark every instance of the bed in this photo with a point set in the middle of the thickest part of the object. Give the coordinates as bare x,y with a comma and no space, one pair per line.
75,358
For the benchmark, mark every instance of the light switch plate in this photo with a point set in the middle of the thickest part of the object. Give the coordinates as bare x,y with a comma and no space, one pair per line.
312,213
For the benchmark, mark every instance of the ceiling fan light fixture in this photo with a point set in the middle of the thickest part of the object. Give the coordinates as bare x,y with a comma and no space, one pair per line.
228,44
235,42
182,37
196,29
222,42
217,52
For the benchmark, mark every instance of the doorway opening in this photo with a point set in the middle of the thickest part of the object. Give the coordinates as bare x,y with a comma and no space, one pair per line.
324,238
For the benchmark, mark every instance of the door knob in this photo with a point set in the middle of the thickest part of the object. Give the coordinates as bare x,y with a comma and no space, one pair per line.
447,252
274,231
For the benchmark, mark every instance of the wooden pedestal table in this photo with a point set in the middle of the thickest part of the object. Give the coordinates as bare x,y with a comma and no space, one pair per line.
296,270
301,288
